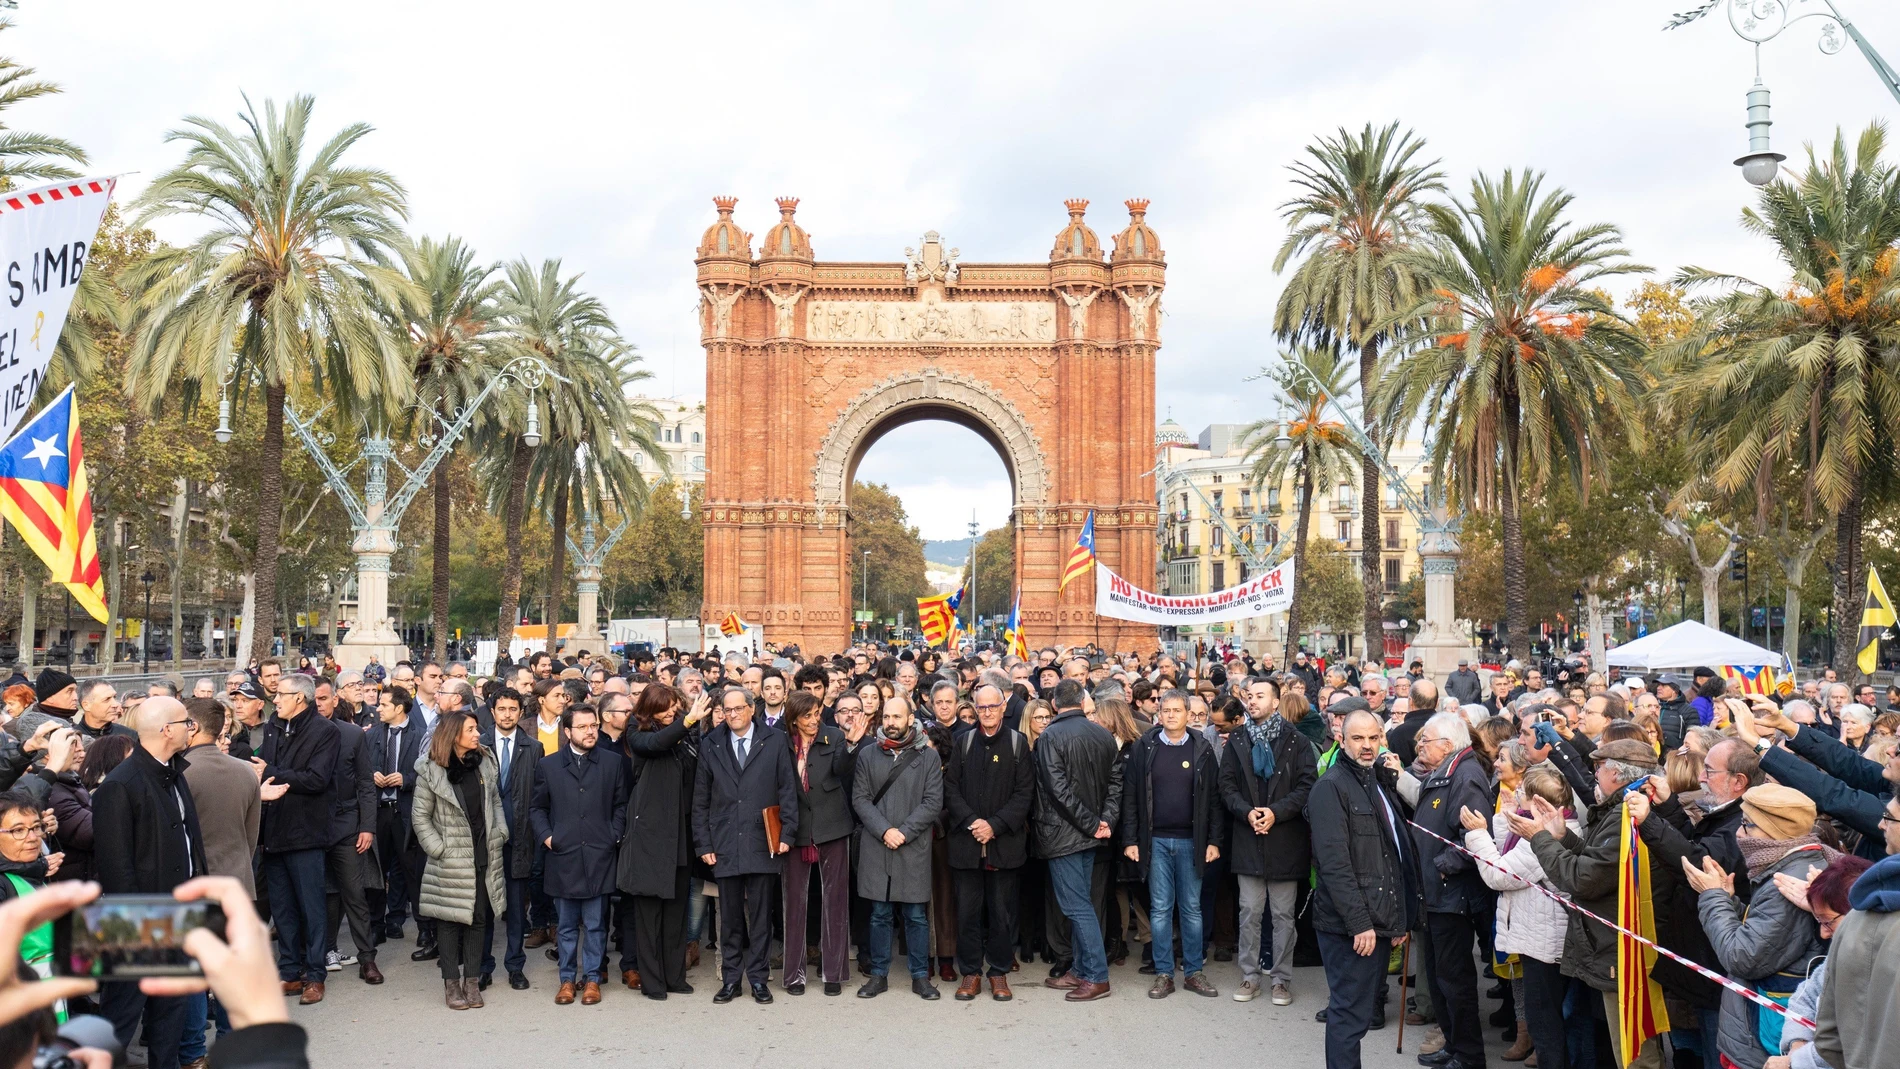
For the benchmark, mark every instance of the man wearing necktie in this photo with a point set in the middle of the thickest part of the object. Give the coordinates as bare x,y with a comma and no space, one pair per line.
519,754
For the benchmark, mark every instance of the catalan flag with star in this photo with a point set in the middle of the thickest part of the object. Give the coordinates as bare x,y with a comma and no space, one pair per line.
43,495
731,625
1082,557
1013,634
937,617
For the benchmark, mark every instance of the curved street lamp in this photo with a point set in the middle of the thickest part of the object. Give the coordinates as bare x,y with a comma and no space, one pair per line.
1759,21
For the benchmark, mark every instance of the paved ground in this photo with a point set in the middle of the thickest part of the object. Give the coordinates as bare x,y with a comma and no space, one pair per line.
404,1023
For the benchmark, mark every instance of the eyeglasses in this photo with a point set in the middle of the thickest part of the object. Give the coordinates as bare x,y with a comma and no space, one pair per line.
26,831
989,705
1886,818
175,723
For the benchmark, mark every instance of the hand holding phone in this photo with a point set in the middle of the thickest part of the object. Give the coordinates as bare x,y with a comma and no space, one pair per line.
238,967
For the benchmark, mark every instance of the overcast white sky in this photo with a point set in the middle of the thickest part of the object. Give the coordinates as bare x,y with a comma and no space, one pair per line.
598,132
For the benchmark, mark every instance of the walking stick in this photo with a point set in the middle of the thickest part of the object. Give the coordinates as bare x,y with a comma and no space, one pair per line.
1405,969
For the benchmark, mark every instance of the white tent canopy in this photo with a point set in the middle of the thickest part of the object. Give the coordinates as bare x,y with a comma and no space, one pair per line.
1687,645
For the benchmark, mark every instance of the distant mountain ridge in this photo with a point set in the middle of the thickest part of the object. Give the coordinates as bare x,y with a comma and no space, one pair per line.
940,551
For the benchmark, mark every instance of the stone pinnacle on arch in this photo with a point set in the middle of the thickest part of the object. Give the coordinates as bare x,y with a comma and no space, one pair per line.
724,239
786,240
1076,241
1137,241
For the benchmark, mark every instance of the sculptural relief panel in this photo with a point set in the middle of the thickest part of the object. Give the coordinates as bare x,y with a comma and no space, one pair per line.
931,320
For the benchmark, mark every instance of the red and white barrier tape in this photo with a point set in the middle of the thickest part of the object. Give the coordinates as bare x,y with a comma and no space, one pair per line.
1732,985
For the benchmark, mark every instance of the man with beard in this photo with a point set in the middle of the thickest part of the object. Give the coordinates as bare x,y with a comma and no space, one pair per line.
989,783
897,794
579,813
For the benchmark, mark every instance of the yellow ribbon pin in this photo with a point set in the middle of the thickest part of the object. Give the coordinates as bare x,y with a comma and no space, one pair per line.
39,320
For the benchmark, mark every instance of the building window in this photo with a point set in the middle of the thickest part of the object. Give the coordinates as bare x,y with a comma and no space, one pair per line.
1217,497
1216,478
1391,575
1345,497
1272,534
1391,495
639,460
1184,577
1273,497
1184,504
1345,532
1246,501
1220,575
666,434
699,463
1392,532
695,437
1215,538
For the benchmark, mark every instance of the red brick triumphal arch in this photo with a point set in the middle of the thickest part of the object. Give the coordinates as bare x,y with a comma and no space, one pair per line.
809,363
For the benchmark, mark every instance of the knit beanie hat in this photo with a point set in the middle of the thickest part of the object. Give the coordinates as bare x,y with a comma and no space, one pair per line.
50,682
1779,812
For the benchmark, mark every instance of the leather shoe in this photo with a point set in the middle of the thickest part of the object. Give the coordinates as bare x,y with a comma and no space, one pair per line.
1320,1016
518,981
482,984
1435,1058
368,971
312,993
1065,982
1084,991
1378,1020
630,977
874,986
999,989
1060,968
726,993
293,987
796,987
924,989
761,994
565,996
590,993
538,938
832,987
425,952
679,989
967,990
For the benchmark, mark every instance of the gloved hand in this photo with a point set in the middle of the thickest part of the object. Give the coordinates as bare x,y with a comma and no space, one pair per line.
1546,734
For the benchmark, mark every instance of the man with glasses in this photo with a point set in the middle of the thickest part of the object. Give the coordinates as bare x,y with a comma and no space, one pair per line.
146,840
1458,904
989,781
300,749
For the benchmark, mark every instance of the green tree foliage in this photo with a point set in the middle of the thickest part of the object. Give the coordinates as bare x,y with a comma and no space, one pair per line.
878,524
1327,593
658,568
995,571
1358,211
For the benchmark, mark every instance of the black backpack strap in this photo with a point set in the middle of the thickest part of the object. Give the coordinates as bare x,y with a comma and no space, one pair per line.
904,762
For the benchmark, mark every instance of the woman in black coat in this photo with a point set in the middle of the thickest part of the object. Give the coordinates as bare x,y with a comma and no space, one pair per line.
656,855
825,763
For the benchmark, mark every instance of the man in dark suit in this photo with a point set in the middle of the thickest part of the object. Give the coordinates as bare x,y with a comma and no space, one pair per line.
350,866
395,744
300,750
146,840
518,753
989,782
744,767
579,813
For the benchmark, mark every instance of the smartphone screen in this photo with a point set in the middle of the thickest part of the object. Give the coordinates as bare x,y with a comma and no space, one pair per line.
124,937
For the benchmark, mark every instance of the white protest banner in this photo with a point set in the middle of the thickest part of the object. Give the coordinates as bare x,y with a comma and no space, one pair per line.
1120,599
46,235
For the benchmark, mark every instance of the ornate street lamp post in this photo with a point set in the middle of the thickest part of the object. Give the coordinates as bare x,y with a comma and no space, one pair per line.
1760,21
375,515
145,627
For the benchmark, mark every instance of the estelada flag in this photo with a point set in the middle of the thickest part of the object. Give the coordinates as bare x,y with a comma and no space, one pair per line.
1639,999
1082,557
1018,645
43,495
1875,618
731,625
937,616
1754,679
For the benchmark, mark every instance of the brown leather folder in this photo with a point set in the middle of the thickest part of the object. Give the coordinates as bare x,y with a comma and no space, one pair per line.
773,826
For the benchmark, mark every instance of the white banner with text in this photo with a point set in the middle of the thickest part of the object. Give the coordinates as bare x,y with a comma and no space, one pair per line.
46,236
1262,595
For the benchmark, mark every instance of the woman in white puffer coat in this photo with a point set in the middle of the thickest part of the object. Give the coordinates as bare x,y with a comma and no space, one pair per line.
1529,923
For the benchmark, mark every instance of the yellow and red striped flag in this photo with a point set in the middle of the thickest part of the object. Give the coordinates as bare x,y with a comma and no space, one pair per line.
1755,679
43,495
1639,1000
731,625
1082,557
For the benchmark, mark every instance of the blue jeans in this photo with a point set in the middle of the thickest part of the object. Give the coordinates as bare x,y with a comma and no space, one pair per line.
582,926
1173,884
295,881
916,937
197,1014
515,927
1069,875
697,929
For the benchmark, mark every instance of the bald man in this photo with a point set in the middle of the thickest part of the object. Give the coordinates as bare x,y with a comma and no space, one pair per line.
146,841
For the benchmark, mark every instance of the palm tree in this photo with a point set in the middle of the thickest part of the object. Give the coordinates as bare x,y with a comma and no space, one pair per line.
1516,365
1360,206
1801,379
452,336
548,316
1305,445
26,156
281,291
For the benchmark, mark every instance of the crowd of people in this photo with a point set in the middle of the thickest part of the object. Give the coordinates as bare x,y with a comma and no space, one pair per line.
987,815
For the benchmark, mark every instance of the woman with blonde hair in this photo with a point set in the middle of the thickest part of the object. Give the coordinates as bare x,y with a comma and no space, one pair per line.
1036,715
461,828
